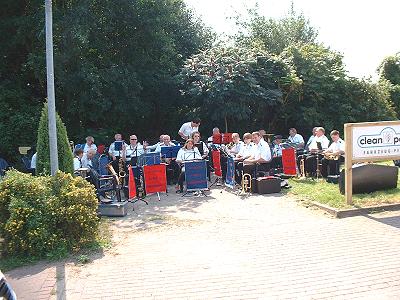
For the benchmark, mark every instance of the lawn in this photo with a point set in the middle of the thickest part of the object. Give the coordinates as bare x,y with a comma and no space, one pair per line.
327,193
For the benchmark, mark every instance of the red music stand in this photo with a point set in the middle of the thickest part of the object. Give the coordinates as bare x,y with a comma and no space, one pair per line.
217,138
227,138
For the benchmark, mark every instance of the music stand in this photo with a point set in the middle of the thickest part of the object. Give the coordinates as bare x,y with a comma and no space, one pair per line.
199,178
170,151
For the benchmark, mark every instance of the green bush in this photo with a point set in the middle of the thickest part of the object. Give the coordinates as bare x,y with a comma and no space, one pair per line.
65,157
44,215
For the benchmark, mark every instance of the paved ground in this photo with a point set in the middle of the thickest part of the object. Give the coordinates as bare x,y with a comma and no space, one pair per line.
223,246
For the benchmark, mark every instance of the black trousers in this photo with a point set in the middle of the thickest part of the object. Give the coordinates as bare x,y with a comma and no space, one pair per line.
276,162
255,168
311,163
173,170
331,167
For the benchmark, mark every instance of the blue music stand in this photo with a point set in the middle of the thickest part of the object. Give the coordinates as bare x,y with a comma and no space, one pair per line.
196,176
170,151
149,159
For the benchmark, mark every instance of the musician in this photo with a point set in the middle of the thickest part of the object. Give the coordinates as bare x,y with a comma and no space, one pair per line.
89,144
277,152
188,128
33,163
203,149
187,153
78,154
296,138
131,152
172,168
314,132
116,154
237,144
245,152
160,142
86,160
319,143
215,131
261,156
333,155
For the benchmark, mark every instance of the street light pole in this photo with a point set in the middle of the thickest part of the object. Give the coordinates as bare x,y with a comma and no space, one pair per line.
50,89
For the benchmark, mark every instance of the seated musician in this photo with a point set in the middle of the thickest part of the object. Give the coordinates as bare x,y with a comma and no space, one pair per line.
114,153
89,144
319,143
203,149
260,158
296,139
186,130
78,154
154,147
86,160
276,162
237,145
310,140
187,153
210,140
131,152
172,168
333,156
245,152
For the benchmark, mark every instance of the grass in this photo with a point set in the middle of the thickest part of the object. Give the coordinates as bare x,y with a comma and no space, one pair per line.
327,193
103,241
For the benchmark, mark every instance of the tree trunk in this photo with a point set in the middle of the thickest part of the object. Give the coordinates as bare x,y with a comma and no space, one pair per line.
226,124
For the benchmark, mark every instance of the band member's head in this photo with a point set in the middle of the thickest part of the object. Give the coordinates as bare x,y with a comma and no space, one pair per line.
277,139
247,138
118,137
133,139
216,130
256,137
166,139
262,132
162,138
196,122
335,135
314,131
89,140
78,153
292,131
91,153
320,131
236,137
189,144
196,137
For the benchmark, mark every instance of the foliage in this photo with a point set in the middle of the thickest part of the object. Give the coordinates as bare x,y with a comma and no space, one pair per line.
276,34
389,70
233,83
45,215
114,64
65,158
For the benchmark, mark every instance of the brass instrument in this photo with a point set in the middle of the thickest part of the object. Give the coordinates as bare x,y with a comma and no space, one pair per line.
230,145
331,156
302,168
117,180
246,183
121,170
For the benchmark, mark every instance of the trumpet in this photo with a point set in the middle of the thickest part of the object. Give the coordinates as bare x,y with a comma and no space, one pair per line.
246,183
302,169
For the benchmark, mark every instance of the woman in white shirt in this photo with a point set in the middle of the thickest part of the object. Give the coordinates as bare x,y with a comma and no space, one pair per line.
89,144
187,153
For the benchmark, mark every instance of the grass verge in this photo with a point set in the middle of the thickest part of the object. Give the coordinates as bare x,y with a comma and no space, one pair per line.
327,193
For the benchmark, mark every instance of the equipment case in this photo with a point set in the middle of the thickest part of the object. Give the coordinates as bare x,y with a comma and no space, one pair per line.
268,185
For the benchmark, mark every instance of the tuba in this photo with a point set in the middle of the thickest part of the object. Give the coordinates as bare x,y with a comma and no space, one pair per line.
246,183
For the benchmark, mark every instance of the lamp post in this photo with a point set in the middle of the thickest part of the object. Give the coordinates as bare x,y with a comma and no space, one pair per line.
50,89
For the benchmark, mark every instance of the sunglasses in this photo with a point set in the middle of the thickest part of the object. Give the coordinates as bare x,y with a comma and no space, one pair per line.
133,139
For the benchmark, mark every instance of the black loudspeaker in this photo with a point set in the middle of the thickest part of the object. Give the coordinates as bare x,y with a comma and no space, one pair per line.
370,178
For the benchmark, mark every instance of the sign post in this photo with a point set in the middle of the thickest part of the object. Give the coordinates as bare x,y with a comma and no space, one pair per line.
369,142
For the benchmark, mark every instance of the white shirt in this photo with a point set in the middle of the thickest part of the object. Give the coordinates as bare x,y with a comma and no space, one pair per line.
204,148
236,148
112,150
154,147
337,146
77,163
134,151
87,148
33,161
85,161
322,139
310,140
161,145
187,129
262,151
186,155
297,139
246,150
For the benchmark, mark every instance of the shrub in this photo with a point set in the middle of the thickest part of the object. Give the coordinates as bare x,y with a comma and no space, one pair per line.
43,215
65,157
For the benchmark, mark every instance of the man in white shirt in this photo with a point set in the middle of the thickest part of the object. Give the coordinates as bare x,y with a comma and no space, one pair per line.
166,142
86,160
131,152
154,147
261,157
237,144
89,144
33,163
314,132
296,138
277,152
116,153
319,143
186,130
333,155
216,132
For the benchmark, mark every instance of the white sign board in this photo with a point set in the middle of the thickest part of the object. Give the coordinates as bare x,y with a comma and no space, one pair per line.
376,141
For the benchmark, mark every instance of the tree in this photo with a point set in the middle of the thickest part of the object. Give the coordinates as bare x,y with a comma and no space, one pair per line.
233,83
65,158
389,70
276,34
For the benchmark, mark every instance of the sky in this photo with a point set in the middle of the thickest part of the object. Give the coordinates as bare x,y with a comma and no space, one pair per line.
364,32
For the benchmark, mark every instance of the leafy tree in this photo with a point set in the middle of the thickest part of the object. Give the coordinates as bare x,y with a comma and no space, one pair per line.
233,83
389,70
276,34
65,158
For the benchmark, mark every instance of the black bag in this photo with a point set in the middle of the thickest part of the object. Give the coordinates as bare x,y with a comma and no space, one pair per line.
268,185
